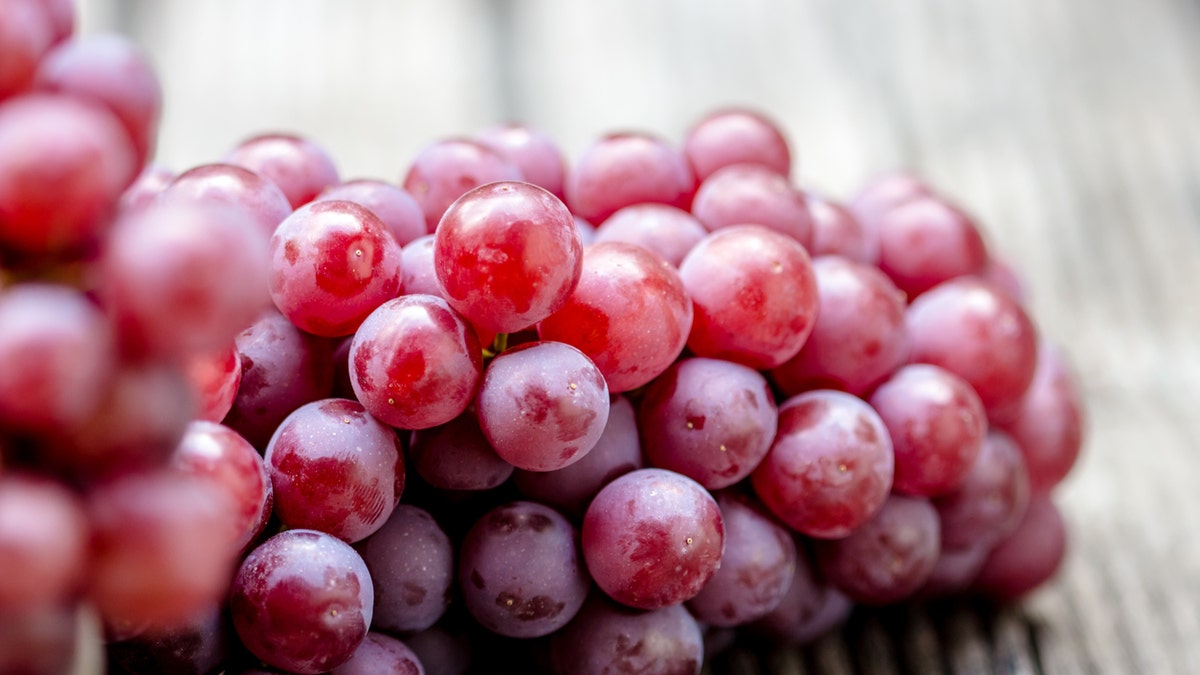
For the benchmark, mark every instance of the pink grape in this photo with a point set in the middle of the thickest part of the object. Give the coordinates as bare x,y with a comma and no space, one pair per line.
444,171
652,538
392,205
26,34
507,255
836,231
113,71
859,337
663,229
300,167
457,456
411,561
215,377
978,333
937,425
415,363
1027,558
710,420
755,296
926,241
750,194
379,653
302,601
736,136
542,405
336,469
236,187
535,154
630,314
991,500
622,169
43,542
63,165
332,264
144,190
884,192
830,467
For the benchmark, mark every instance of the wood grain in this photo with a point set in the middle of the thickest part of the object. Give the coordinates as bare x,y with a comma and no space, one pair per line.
1070,128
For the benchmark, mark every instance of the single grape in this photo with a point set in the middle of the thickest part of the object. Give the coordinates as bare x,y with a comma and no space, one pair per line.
180,278
411,561
1027,558
299,166
809,609
630,314
744,194
236,187
859,337
58,352
392,205
457,456
199,646
507,255
889,557
606,637
43,543
663,229
926,241
444,171
519,570
63,165
710,420
336,469
282,369
332,264
535,154
215,377
379,654
616,453
736,136
652,538
415,363
978,333
884,192
144,190
758,566
111,70
836,231
830,467
955,571
542,405
26,34
1048,422
161,547
754,293
627,168
302,601
990,501
937,425
218,453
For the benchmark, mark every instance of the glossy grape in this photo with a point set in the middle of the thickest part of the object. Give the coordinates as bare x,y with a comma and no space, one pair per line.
412,566
392,205
299,166
197,647
622,169
810,608
26,34
444,171
884,192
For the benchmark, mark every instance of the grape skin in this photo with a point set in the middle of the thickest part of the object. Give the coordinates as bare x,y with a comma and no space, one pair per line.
411,561
457,456
606,637
299,166
668,231
397,209
43,542
535,154
753,194
232,186
599,184
736,136
444,171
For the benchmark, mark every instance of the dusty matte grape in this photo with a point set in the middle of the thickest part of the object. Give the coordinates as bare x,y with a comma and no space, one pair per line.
937,425
754,294
887,558
391,204
1027,558
507,255
708,419
379,654
955,571
535,154
756,570
412,568
43,542
736,136
606,637
299,166
630,314
233,186
457,456
441,651
830,467
926,241
744,194
621,169
663,229
332,264
302,601
415,363
990,501
282,369
445,170
336,469
542,405
836,231
519,570
810,608
652,538
616,453
859,337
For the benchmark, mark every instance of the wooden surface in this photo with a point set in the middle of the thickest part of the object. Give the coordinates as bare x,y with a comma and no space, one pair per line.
1071,128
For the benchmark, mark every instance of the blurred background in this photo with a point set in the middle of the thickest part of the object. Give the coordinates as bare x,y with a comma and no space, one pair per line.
1070,128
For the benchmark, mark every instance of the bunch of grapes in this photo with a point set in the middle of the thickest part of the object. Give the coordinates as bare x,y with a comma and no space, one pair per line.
505,414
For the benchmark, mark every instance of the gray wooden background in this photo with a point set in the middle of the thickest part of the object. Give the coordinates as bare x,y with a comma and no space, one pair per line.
1070,127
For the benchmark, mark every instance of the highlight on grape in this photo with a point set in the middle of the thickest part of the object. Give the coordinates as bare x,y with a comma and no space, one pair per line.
585,414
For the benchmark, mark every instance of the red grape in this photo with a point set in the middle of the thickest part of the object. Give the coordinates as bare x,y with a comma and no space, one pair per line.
393,206
991,500
736,136
411,561
836,231
534,153
379,654
215,377
609,638
663,229
233,186
926,241
43,543
444,171
745,194
1028,557
457,456
619,170
300,167
26,34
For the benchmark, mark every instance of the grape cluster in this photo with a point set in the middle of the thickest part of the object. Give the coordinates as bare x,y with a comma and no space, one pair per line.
572,419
